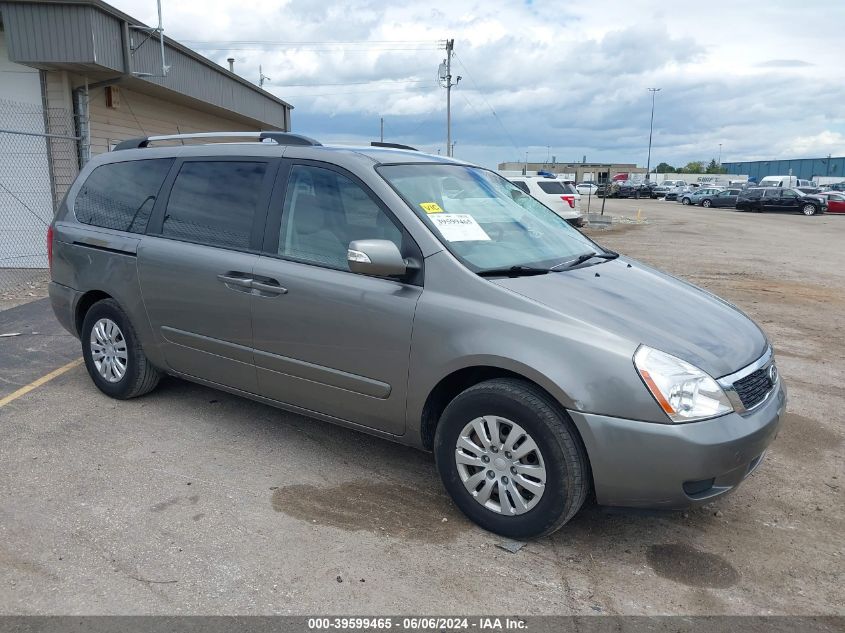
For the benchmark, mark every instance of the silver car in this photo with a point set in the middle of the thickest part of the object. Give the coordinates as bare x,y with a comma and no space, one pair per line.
420,299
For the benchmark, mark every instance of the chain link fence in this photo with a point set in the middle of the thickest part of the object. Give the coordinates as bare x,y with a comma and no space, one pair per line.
38,163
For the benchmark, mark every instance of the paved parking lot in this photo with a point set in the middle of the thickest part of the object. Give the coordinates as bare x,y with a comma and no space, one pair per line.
194,501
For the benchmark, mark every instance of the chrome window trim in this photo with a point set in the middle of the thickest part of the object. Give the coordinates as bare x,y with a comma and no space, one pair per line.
727,382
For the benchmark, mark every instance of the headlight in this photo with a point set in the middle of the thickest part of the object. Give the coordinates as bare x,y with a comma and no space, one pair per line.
682,390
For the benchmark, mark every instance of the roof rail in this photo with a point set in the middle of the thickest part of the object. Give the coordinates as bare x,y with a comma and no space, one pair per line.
393,146
282,138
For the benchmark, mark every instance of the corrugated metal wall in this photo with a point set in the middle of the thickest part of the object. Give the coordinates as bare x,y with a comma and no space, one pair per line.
806,168
84,39
38,34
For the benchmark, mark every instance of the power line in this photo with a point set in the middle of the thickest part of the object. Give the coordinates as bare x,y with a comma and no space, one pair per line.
478,90
282,84
235,42
357,92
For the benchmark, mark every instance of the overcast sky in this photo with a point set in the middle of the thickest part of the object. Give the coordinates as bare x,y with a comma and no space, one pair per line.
764,78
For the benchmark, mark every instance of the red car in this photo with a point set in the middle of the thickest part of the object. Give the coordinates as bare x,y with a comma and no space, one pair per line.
835,201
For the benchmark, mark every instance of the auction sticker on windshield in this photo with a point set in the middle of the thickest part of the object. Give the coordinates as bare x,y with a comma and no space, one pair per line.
459,227
431,207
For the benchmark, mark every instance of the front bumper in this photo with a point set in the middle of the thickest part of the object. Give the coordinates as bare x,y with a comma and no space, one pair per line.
644,464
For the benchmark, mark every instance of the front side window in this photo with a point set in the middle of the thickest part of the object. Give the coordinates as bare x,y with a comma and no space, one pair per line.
121,196
324,211
214,202
483,219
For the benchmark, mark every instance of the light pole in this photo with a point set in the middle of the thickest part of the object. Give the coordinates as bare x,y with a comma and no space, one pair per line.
653,92
719,163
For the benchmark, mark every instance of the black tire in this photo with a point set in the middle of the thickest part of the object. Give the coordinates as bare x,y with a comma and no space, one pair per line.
567,466
686,201
809,209
140,376
706,203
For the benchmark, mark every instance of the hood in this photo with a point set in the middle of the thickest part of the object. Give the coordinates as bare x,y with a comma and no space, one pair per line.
646,306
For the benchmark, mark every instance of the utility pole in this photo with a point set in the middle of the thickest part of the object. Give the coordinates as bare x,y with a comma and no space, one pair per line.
453,148
653,92
719,162
382,129
262,77
445,75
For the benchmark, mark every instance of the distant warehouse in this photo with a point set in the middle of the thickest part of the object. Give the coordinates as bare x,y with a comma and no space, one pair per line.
823,169
79,76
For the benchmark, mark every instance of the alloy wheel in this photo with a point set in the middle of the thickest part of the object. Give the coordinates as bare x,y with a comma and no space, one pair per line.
500,465
808,209
108,350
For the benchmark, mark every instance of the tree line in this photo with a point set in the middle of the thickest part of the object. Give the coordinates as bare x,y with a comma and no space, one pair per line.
693,167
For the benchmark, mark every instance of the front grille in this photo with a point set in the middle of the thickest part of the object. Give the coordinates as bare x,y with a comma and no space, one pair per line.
754,387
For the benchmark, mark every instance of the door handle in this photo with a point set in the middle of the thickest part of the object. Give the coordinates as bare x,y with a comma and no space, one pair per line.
268,289
235,282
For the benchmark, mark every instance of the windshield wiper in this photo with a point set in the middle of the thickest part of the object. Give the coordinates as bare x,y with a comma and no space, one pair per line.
583,258
513,271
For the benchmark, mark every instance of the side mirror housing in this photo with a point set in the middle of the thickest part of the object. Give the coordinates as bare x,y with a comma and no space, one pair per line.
380,258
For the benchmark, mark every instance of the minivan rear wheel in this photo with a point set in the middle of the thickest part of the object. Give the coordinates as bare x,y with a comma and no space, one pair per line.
113,355
511,458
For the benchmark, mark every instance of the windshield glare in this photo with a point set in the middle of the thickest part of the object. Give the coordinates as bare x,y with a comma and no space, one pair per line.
483,219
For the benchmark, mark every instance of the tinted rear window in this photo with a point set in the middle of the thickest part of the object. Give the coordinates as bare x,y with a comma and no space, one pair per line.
121,196
552,187
214,202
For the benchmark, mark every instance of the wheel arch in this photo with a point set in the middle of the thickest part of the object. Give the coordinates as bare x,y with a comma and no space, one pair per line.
463,378
84,304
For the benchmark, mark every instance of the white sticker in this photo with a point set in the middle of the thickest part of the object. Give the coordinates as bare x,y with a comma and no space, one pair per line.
458,227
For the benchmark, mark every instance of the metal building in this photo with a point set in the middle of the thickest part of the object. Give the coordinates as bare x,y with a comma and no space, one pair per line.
805,168
79,76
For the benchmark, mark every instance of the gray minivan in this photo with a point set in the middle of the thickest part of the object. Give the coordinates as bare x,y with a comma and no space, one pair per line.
420,299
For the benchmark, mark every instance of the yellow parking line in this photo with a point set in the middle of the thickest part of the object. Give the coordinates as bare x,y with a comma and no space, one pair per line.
37,383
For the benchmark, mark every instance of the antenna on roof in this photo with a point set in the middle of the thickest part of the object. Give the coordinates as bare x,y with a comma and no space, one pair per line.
159,30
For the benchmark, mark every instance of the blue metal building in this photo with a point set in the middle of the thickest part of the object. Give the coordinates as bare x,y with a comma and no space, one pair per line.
806,168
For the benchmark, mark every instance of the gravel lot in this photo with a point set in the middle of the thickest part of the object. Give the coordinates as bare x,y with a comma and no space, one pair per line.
193,501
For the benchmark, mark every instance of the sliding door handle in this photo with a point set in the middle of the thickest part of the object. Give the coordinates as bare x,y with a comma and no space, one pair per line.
232,280
268,289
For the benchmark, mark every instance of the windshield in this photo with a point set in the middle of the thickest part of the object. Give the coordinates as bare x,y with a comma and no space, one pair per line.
483,219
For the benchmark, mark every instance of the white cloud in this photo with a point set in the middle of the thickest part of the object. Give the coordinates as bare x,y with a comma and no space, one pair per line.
561,76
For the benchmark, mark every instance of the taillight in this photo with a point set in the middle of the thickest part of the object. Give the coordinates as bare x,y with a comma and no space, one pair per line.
570,200
50,248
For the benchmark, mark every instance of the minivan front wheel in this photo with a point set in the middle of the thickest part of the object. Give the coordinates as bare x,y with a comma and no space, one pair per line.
112,353
511,459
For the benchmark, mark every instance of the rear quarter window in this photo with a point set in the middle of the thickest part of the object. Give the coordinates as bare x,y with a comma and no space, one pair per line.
121,195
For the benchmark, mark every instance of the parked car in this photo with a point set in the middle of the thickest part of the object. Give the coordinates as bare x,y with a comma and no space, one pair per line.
697,195
835,201
560,197
673,183
420,299
587,188
720,199
631,189
676,191
785,181
660,191
761,199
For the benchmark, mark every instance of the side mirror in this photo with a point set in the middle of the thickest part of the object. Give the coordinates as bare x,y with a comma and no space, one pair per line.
380,258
